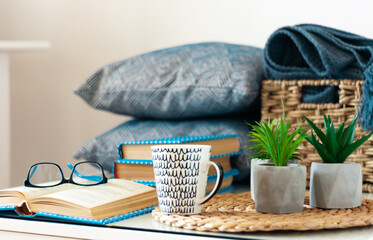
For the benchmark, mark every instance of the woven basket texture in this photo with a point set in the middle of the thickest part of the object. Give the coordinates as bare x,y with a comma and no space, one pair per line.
236,213
290,91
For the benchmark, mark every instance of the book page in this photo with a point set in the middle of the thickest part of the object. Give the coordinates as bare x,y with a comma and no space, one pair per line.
28,193
92,196
218,146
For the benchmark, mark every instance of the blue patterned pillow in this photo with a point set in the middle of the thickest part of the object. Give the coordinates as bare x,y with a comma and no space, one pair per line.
198,80
103,148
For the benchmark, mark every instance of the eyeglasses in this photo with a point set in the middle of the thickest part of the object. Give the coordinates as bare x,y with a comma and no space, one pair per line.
46,174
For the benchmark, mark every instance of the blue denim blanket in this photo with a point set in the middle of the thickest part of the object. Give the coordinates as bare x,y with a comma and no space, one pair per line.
310,51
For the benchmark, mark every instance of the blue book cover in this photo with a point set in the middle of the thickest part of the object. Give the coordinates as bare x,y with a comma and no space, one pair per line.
210,178
150,162
64,218
180,140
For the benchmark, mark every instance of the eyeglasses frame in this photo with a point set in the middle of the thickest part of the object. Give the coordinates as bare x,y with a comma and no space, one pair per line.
27,182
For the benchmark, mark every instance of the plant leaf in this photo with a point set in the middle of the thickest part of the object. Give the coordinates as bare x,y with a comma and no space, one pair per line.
325,156
331,144
326,123
273,139
339,133
352,147
317,130
271,145
297,142
348,134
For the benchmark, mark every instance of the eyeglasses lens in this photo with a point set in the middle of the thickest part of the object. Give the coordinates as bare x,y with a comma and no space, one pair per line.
87,174
45,175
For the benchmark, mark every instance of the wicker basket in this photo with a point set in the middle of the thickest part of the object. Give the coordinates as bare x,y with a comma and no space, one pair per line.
343,111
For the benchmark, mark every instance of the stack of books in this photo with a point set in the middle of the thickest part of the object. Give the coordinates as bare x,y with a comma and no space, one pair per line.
136,163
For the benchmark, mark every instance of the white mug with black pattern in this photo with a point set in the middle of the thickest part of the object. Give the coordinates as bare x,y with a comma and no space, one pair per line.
181,177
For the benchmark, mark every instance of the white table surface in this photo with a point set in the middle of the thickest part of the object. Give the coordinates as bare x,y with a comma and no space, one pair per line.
144,227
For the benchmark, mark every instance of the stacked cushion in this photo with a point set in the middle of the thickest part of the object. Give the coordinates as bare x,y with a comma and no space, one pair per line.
181,85
198,80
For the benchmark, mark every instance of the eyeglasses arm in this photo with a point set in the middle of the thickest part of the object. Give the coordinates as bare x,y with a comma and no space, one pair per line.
33,171
90,177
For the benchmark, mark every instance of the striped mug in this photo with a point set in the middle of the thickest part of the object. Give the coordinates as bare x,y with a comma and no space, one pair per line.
181,177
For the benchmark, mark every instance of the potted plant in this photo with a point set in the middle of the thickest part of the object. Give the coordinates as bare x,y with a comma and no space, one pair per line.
334,183
279,187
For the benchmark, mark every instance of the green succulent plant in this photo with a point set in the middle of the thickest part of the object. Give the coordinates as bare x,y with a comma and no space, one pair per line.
276,141
335,145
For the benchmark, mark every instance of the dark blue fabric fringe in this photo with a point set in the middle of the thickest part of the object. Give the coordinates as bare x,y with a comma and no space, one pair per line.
309,51
366,110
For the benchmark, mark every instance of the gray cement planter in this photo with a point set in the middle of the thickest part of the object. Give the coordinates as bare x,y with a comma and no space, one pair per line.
335,185
254,162
279,189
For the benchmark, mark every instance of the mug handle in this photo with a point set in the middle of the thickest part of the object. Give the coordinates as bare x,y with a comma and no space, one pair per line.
219,181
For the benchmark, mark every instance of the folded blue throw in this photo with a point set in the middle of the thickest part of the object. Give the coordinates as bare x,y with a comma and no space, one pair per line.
310,51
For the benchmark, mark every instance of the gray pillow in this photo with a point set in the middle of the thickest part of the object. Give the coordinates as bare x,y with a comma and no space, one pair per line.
198,80
103,148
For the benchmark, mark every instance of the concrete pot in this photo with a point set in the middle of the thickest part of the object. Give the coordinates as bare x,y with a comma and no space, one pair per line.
279,189
253,164
335,185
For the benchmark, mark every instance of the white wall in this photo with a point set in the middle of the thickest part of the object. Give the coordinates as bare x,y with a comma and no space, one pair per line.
49,123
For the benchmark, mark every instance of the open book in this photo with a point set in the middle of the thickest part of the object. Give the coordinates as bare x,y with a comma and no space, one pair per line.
69,201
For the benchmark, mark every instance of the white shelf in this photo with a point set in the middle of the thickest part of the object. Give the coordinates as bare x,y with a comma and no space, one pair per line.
6,48
20,46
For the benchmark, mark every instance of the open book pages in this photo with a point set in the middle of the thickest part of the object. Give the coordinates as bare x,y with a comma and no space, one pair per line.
118,196
14,196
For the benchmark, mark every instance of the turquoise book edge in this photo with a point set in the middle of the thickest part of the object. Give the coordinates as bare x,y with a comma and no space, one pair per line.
211,178
175,140
150,162
103,221
225,190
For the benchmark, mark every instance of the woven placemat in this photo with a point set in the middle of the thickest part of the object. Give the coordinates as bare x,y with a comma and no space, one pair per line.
236,213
